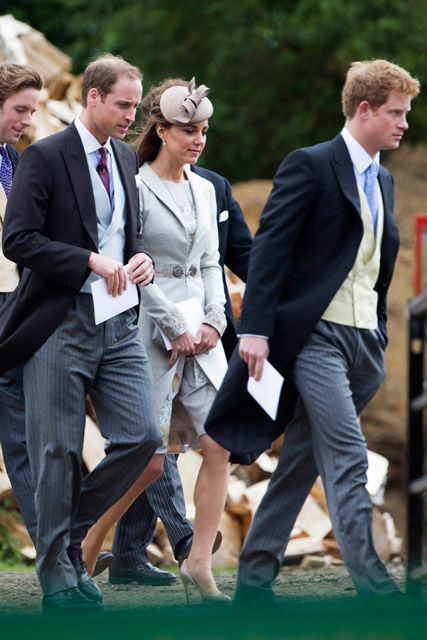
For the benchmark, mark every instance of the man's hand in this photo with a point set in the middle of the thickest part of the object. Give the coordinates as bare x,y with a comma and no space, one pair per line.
254,351
206,339
183,345
111,270
141,269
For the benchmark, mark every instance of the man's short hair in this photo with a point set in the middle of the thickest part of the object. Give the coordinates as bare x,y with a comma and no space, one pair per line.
15,78
103,73
373,80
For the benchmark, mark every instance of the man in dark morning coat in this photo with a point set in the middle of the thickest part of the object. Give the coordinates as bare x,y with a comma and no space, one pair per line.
315,304
164,497
20,87
72,216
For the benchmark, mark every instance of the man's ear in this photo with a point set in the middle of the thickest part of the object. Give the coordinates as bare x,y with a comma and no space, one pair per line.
363,109
93,96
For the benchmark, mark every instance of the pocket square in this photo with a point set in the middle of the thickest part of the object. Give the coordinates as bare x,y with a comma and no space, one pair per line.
223,216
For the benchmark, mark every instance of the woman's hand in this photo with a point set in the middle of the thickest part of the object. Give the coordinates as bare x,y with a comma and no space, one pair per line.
206,339
183,345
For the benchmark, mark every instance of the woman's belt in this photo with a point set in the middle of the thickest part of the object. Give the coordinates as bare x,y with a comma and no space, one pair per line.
176,271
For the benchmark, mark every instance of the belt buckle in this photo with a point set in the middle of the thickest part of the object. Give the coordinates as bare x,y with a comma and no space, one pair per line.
192,270
177,271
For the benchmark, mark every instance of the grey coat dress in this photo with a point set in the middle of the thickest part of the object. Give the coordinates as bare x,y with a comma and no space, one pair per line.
185,267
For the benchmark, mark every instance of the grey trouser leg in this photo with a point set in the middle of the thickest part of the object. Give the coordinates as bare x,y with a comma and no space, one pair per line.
110,362
164,498
15,455
336,373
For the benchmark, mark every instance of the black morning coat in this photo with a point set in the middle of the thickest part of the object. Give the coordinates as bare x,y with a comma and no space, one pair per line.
50,229
235,242
309,235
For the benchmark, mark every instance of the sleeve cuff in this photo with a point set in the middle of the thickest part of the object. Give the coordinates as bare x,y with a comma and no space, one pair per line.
215,316
173,324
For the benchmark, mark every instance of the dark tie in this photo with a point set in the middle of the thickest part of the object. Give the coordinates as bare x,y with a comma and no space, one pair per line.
102,169
370,189
6,170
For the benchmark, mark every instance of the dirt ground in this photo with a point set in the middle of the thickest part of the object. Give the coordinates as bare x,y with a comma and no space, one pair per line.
312,605
20,591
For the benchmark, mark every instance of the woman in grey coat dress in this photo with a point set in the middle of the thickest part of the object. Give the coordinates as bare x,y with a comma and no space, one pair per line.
178,211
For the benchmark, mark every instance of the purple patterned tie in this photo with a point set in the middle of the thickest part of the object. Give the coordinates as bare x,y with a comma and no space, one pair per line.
6,170
102,169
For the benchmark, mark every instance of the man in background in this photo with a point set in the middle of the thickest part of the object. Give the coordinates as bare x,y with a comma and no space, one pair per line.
20,87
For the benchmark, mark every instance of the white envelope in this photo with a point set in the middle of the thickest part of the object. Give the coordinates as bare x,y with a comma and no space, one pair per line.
107,306
223,216
214,364
266,391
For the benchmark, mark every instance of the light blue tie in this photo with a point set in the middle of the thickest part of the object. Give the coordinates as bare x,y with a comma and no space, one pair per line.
370,189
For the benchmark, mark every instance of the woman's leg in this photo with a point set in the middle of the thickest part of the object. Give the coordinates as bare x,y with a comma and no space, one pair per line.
92,543
209,498
197,394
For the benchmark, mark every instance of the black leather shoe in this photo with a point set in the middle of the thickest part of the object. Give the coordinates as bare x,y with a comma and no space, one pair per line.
247,597
69,601
105,558
143,573
86,585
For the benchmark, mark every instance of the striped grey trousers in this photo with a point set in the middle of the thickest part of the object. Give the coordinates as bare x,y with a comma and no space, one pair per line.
337,372
108,362
164,498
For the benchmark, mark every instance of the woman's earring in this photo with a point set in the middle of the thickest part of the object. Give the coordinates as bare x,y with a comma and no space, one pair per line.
163,141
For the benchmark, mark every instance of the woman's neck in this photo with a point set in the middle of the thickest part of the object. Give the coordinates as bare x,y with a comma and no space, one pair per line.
168,171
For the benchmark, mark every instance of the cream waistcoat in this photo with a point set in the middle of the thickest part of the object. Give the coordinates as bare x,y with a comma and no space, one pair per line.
9,276
355,303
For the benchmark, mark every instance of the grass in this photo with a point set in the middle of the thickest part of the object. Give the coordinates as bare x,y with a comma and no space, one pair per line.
16,566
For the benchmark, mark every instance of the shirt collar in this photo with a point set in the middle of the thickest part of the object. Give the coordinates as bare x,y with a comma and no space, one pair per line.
359,156
89,142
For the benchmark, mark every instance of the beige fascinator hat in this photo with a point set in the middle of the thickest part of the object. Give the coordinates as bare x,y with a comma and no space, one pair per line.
186,105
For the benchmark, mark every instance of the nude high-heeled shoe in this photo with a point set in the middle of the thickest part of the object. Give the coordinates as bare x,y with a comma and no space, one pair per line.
188,579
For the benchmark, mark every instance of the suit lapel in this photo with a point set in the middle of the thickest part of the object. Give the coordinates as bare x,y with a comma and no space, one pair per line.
344,171
126,168
155,184
199,198
345,174
78,171
13,155
386,193
3,203
390,231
